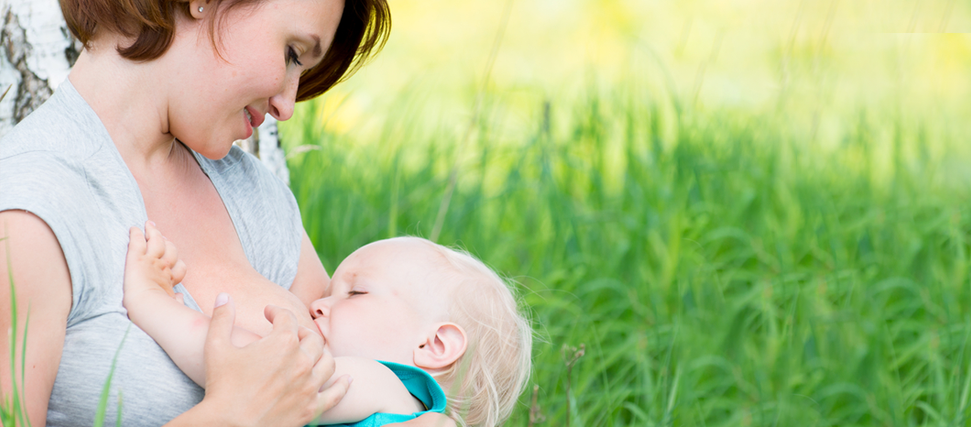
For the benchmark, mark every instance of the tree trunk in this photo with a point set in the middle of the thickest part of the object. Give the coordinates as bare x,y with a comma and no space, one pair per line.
36,53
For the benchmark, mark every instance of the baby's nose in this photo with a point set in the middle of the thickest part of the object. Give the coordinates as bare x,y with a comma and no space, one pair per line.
319,308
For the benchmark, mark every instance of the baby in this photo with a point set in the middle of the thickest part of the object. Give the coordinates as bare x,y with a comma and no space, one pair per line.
434,317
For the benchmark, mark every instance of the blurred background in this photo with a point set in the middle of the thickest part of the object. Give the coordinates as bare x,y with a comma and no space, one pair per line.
743,212
815,62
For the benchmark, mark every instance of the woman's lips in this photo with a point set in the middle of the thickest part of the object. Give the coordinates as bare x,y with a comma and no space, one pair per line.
248,119
255,117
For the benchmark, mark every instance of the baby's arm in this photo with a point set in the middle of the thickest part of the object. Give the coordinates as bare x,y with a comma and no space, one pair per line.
375,389
152,269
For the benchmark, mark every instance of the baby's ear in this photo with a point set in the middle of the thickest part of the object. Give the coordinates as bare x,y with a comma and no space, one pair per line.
444,345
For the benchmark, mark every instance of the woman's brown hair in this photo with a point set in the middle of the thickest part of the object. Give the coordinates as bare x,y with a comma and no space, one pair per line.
363,30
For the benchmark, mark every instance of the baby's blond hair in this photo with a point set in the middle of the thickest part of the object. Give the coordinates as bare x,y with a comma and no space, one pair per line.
484,384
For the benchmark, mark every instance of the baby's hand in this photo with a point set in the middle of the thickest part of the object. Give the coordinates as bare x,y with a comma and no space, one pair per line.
152,266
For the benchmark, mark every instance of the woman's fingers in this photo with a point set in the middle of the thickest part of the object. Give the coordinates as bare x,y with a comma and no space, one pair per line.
324,366
221,326
281,318
284,388
322,371
331,396
311,343
320,364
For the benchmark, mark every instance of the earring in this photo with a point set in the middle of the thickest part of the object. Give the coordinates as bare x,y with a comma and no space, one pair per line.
200,9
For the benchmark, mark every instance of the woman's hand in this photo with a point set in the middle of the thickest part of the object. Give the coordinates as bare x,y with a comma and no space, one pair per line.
273,381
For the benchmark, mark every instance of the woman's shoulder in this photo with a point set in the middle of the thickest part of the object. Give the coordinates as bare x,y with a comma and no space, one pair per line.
64,127
60,164
37,164
45,157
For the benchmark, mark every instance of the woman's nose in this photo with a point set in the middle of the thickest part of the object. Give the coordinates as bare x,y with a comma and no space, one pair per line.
281,104
320,308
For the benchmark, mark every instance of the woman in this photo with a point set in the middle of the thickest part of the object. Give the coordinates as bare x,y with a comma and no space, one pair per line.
143,128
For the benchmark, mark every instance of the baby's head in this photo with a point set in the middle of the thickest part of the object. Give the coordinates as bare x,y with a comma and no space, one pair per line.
410,301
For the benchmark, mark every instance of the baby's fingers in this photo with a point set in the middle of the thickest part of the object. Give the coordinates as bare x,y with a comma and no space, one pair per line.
178,272
171,254
136,242
156,243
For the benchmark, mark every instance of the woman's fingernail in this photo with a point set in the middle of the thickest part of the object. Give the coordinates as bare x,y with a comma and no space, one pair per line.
152,222
350,379
221,299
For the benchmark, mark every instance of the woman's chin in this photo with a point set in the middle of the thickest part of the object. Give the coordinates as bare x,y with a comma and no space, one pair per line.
214,153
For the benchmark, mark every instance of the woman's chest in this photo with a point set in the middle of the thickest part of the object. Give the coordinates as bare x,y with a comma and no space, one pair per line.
195,218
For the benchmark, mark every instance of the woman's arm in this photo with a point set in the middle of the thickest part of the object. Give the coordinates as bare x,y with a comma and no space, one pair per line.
31,256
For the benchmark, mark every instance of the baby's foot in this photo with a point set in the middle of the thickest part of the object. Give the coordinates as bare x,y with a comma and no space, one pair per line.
152,265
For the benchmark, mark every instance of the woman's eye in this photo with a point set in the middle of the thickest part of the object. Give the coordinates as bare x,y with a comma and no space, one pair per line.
292,57
353,292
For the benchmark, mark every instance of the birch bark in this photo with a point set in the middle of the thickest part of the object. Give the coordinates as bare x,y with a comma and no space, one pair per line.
36,54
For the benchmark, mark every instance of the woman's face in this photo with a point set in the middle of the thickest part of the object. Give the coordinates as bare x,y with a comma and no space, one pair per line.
221,95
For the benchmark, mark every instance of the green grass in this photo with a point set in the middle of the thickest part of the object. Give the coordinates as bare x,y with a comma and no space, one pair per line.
720,268
12,411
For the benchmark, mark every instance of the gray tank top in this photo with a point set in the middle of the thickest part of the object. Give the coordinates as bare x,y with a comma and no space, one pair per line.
61,165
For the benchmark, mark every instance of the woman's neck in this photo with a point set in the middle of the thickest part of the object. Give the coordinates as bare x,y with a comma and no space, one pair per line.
129,99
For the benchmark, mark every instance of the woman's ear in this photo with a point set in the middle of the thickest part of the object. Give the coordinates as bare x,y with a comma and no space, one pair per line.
442,347
198,8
